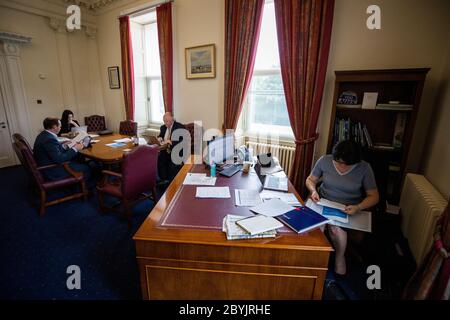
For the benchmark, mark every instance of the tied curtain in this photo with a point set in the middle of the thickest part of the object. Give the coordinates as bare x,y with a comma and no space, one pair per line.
127,66
242,28
304,32
164,22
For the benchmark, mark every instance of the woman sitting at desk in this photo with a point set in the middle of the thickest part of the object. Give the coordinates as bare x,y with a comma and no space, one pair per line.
344,178
68,122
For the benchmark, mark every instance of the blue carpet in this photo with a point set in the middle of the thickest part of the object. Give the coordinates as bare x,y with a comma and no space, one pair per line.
35,252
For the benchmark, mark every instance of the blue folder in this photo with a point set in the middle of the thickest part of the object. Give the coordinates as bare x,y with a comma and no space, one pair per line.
302,219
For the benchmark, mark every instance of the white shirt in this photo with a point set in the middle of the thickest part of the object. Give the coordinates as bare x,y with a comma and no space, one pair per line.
167,134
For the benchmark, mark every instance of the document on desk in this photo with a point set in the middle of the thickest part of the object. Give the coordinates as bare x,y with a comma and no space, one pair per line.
115,145
272,208
331,204
124,140
289,198
78,139
246,198
213,192
199,179
259,224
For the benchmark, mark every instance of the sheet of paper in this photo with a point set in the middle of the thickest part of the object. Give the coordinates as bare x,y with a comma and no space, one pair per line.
124,140
270,170
213,192
92,135
246,198
360,221
289,198
115,145
95,141
272,208
63,139
142,141
199,179
331,204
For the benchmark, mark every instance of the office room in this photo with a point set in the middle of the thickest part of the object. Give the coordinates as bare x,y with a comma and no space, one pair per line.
224,150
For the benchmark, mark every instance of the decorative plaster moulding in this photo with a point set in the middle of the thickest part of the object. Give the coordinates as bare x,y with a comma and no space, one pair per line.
14,37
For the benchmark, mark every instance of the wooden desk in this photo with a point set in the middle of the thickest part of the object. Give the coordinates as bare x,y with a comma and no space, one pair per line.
189,257
101,152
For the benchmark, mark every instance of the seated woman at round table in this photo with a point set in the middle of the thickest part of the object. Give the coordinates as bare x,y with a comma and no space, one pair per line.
68,122
348,180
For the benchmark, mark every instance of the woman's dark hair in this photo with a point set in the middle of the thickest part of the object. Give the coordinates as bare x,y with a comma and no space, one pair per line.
348,151
65,120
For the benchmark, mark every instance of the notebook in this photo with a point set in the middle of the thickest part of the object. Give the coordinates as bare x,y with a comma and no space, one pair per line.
302,219
259,224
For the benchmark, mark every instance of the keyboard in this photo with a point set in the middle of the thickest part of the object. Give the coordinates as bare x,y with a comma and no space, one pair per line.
231,170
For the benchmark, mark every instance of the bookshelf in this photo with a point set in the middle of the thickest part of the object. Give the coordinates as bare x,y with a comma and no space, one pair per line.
394,115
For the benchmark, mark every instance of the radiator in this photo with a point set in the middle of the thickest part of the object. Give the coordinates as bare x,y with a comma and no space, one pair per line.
421,206
285,154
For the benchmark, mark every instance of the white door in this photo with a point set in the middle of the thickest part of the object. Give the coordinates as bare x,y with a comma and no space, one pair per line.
6,150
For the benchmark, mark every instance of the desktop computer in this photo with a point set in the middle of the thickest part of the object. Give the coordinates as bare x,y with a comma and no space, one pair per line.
221,152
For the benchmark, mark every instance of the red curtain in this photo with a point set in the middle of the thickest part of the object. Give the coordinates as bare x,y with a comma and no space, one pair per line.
304,32
164,18
127,66
242,28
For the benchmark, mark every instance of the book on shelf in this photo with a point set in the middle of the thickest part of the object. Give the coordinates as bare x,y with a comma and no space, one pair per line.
369,100
392,106
383,146
367,136
349,106
399,131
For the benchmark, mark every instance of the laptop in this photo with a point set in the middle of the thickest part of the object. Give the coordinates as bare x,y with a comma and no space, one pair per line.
78,129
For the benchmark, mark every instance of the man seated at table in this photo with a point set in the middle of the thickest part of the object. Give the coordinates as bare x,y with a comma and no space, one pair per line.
48,150
167,170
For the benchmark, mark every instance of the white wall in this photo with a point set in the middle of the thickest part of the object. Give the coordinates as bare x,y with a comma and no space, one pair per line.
77,85
195,22
436,157
414,33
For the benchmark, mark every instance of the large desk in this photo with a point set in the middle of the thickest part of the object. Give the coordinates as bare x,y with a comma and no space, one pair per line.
183,254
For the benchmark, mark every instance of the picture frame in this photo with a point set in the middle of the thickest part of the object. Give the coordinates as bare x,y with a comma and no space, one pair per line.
114,77
201,62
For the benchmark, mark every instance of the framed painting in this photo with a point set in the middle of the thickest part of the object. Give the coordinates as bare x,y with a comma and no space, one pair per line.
114,78
201,62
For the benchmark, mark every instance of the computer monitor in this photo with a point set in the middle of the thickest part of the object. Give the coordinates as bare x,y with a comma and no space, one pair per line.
220,150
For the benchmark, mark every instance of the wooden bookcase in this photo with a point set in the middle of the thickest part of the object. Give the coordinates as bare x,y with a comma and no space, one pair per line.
402,85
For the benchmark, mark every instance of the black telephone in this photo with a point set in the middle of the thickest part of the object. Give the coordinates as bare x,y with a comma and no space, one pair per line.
266,160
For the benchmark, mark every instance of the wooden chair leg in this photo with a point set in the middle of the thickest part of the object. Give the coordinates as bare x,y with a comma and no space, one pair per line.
100,202
43,199
84,190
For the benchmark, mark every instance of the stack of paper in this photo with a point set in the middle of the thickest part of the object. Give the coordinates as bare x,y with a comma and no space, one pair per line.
272,208
78,139
115,145
259,224
276,183
289,198
234,232
213,192
199,179
246,198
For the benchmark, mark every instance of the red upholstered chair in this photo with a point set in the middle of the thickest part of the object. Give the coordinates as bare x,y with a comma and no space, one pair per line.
25,155
95,123
17,137
138,176
128,128
194,129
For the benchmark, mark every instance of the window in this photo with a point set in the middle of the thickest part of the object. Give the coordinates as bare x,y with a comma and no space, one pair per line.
149,103
265,106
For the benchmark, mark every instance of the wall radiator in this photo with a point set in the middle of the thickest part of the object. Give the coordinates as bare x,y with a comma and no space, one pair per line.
285,154
421,206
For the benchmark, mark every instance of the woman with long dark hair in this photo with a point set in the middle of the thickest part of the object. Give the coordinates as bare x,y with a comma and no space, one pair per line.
68,122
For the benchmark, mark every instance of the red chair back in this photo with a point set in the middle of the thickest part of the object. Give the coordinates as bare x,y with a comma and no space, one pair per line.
139,171
95,123
128,128
26,158
17,137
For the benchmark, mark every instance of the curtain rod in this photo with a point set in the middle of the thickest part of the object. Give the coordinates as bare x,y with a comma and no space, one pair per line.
144,8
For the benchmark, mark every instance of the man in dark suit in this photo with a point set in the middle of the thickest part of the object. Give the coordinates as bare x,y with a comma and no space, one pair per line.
167,170
48,150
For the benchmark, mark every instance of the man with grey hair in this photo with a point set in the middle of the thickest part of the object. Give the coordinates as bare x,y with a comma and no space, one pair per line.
167,170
